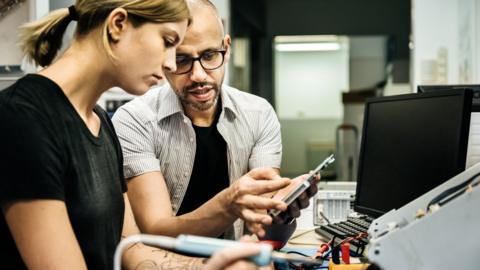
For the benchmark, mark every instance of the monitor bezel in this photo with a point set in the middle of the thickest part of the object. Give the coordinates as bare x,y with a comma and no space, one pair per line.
467,95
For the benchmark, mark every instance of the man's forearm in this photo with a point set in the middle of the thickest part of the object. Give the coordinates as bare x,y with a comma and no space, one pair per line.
210,219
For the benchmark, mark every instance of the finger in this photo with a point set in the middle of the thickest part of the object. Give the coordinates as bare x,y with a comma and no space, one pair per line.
312,190
278,219
284,191
257,187
294,209
263,173
259,202
227,256
246,239
252,217
256,229
303,200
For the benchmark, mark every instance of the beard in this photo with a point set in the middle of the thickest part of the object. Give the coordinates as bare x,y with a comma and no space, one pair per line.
199,105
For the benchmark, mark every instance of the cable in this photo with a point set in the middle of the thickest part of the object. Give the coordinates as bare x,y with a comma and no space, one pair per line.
303,265
454,191
453,196
346,240
324,217
298,235
298,253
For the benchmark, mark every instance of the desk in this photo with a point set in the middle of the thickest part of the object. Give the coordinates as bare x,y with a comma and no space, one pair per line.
305,238
307,242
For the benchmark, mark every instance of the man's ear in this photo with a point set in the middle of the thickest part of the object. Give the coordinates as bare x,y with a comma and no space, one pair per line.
117,23
227,42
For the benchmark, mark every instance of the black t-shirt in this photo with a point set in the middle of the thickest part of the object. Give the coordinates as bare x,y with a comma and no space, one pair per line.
210,168
47,152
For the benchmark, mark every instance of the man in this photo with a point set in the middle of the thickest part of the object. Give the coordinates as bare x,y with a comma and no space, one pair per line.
186,143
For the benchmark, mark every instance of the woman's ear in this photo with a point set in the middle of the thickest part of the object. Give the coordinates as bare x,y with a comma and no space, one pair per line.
117,23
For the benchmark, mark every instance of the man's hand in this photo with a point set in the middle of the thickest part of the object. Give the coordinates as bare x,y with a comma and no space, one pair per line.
300,203
244,198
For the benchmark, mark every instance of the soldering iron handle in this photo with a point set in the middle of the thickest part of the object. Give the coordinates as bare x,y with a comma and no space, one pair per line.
207,246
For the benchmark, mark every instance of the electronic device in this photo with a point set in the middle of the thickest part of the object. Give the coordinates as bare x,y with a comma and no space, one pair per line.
473,152
293,195
333,201
205,246
444,236
410,144
474,88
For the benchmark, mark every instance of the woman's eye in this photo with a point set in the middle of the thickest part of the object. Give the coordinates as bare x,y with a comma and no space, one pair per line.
182,60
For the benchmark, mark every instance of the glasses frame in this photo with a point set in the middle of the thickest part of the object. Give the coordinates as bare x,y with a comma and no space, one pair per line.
199,59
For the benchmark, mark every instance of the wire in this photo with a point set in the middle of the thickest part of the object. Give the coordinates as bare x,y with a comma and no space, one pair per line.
324,217
346,240
454,191
300,234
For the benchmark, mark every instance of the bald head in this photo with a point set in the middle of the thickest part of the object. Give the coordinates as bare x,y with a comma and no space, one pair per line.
205,14
205,44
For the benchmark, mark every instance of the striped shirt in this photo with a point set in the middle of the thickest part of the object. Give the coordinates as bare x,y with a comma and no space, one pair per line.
156,135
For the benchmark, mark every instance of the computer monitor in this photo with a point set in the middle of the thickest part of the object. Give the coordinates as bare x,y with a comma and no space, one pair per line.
474,87
410,144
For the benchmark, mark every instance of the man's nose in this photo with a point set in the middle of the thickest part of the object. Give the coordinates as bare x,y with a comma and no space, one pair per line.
198,74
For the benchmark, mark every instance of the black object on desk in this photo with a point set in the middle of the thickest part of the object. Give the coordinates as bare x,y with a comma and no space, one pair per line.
410,144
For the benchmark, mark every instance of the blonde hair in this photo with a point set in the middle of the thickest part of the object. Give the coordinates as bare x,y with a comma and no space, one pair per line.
40,40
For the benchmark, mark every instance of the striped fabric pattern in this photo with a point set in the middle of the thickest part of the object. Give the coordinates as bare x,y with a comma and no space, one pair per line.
156,135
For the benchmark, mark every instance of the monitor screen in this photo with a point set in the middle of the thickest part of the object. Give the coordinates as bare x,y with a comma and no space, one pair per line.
410,144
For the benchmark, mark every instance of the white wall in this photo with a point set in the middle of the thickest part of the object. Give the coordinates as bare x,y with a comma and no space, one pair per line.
309,84
308,88
10,53
450,24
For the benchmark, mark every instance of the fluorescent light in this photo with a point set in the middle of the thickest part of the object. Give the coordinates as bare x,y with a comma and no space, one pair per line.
303,47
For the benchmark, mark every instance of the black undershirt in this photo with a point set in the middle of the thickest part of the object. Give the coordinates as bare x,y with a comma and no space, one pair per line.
210,168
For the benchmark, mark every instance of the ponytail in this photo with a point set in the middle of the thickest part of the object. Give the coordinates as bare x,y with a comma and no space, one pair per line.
41,40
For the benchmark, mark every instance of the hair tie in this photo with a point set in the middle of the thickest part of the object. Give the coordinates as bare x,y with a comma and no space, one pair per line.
72,13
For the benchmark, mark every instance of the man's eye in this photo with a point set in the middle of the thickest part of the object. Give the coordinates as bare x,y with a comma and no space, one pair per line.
209,55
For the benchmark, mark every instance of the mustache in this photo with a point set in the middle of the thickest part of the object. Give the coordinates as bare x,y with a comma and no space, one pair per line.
202,84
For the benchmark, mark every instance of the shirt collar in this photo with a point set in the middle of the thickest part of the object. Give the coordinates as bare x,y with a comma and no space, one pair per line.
227,102
168,103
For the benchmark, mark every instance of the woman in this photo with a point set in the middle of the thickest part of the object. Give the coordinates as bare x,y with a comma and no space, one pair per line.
61,182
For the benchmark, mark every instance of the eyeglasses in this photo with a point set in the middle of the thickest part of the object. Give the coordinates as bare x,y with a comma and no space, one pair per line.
209,60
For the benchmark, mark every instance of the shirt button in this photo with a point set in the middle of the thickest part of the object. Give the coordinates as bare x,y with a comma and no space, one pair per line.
191,139
185,174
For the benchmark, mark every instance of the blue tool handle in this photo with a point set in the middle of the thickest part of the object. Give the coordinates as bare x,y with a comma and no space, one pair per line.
206,246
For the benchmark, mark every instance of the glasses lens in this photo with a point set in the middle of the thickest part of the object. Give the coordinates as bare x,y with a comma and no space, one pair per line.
212,59
183,64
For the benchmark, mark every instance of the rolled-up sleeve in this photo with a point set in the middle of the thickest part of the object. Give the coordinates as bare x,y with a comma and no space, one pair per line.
135,132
